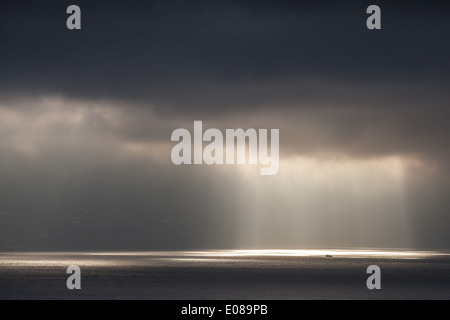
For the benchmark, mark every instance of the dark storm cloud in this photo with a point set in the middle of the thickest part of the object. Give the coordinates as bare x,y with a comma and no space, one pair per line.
213,54
366,90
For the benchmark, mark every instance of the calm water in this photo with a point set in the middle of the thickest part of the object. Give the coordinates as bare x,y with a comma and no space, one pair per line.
226,275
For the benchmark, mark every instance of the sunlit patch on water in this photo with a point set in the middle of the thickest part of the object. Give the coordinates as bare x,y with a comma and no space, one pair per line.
123,259
326,253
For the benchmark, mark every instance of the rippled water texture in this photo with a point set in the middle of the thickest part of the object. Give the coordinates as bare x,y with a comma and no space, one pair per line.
237,274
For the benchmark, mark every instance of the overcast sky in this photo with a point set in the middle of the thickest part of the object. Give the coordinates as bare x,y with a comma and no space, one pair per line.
86,118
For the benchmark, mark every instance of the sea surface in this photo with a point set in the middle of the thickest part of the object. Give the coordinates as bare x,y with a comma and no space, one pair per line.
234,274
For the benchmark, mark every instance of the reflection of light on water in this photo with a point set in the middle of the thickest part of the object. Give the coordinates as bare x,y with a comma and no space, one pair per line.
275,252
55,263
34,261
124,259
331,252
